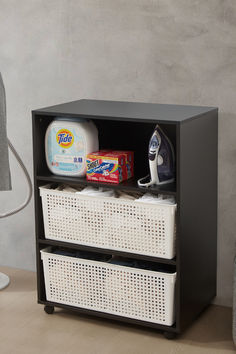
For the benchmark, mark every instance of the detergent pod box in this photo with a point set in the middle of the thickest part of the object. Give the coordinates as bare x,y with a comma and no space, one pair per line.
129,160
106,166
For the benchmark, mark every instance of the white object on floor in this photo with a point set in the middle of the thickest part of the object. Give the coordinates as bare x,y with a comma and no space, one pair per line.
4,281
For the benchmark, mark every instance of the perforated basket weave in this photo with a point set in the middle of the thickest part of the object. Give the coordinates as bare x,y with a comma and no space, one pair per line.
130,292
106,222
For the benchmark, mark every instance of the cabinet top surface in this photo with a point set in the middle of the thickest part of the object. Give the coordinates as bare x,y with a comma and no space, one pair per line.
147,112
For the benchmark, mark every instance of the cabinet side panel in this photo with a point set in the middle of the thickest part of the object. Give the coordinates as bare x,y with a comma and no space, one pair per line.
197,246
39,229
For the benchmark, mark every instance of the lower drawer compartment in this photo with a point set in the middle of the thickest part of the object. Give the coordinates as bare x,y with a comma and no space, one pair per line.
111,288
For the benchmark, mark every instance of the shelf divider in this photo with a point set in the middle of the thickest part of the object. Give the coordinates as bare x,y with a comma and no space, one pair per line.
107,251
128,185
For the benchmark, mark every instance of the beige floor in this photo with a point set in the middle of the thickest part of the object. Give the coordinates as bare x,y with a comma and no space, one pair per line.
25,328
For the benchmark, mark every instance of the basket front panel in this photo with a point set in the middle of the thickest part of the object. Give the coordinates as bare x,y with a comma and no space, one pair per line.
113,289
110,223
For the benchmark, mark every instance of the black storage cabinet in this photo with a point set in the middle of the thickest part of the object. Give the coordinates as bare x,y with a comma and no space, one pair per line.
129,126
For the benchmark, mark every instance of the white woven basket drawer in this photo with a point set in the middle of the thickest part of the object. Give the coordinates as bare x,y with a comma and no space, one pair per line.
130,292
107,222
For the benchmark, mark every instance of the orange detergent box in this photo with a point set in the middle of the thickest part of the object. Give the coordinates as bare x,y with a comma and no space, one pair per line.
107,166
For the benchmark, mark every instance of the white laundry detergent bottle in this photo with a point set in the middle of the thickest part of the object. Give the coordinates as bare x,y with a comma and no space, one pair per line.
67,142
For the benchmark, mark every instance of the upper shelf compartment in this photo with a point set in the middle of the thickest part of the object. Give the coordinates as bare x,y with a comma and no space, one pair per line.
115,135
121,126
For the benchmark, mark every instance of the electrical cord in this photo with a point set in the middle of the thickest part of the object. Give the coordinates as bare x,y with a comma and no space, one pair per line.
29,196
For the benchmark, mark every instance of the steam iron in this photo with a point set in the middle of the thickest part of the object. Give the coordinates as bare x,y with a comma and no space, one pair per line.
161,158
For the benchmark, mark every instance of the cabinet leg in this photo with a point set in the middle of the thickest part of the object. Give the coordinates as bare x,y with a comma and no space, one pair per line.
169,335
49,309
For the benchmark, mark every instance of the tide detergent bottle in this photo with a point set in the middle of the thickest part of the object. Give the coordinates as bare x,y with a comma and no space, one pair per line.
67,142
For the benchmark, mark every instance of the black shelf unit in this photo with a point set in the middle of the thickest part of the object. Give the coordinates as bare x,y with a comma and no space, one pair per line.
126,125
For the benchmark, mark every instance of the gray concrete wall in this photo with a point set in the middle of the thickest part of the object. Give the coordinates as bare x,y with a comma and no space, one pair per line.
166,51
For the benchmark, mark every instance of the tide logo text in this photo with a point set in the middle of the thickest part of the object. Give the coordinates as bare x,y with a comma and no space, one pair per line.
65,138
